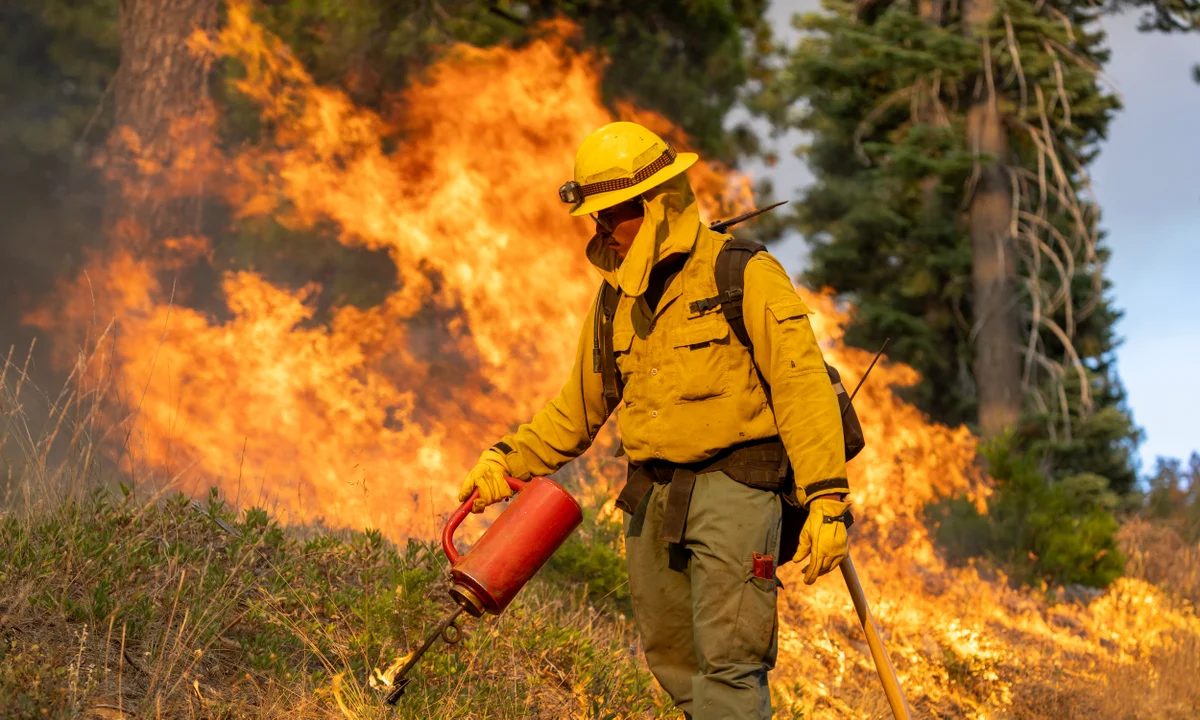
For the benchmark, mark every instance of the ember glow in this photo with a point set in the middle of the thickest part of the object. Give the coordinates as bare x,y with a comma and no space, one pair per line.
372,418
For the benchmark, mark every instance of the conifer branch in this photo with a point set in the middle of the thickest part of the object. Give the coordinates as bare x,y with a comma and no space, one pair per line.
869,121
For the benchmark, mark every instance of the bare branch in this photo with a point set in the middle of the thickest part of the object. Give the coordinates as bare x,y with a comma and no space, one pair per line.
866,125
1058,80
1040,403
1085,390
1015,51
1065,271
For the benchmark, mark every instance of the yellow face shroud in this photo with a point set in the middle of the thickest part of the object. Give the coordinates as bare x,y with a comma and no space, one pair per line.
671,223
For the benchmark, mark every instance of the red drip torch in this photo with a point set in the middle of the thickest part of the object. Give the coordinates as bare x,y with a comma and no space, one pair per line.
533,526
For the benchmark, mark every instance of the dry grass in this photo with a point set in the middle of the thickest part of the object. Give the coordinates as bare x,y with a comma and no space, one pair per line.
152,610
1160,679
1162,686
1158,554
118,604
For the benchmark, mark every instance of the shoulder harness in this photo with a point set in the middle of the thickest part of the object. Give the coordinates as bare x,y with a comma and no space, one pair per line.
730,272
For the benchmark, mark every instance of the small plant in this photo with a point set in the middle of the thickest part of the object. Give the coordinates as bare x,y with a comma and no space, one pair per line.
1173,496
1054,531
594,557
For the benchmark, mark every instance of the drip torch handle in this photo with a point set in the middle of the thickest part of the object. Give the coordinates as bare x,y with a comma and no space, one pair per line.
461,513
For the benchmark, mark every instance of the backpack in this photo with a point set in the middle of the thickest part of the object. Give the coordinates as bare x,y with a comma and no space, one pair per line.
730,273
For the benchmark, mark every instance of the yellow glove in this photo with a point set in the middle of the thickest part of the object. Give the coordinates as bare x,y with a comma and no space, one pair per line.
823,536
487,475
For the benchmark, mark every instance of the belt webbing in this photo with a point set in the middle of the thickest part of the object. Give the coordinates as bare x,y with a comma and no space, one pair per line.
679,499
759,464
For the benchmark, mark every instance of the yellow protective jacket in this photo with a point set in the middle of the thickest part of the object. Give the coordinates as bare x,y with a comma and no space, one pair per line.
691,389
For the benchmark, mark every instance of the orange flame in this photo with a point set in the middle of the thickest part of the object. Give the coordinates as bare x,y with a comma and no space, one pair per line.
371,419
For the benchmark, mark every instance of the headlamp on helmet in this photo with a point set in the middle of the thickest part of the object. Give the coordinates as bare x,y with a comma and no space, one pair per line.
571,192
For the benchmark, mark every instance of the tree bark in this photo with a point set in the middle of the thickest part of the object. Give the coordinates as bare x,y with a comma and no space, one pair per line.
160,83
997,364
931,12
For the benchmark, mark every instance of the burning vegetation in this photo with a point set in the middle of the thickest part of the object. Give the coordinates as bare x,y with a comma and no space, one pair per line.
366,417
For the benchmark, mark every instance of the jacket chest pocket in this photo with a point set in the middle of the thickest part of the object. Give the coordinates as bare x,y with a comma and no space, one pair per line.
628,362
700,358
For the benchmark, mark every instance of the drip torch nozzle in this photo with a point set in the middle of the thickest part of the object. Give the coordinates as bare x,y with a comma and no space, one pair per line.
447,630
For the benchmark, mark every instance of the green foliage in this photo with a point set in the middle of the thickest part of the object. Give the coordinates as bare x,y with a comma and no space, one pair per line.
1060,532
1101,443
57,61
904,268
1173,496
269,624
1161,15
688,61
883,94
594,558
33,689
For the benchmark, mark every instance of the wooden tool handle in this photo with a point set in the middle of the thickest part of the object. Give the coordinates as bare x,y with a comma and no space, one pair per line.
883,664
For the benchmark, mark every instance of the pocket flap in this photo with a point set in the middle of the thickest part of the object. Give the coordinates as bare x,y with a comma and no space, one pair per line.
786,308
698,332
622,340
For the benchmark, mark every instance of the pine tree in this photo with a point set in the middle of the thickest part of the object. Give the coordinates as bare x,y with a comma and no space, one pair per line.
945,135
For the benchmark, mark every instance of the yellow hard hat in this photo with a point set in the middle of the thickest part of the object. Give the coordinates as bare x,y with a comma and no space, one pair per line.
619,161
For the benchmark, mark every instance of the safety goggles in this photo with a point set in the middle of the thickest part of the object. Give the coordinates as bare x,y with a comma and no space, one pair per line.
609,218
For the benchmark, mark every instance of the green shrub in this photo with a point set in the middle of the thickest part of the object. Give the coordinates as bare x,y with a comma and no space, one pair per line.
1173,496
1038,529
172,603
593,557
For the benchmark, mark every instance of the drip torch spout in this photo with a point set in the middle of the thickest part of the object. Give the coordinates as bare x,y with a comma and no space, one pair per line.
448,630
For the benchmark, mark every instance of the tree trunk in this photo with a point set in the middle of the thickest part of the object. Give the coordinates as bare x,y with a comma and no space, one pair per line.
160,84
931,12
997,362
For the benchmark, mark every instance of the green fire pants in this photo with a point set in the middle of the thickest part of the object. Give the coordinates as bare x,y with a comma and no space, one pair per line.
707,623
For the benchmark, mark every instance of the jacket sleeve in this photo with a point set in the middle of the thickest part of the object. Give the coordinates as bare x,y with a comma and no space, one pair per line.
566,427
802,395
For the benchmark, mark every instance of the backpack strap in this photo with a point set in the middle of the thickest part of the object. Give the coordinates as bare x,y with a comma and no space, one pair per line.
604,358
731,282
730,274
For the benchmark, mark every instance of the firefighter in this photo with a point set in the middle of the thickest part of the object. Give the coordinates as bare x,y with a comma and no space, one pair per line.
725,441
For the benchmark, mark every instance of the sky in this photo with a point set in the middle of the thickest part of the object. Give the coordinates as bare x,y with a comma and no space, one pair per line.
1147,181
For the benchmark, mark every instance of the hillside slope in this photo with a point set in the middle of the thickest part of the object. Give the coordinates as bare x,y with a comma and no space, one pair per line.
112,608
